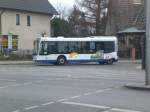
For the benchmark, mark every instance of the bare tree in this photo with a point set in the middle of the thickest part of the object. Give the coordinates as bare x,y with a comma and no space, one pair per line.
62,11
78,22
113,18
95,12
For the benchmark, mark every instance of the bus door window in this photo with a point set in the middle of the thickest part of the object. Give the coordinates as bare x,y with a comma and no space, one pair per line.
47,48
44,48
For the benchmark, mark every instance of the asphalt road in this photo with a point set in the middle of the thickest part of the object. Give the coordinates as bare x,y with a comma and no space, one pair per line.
72,88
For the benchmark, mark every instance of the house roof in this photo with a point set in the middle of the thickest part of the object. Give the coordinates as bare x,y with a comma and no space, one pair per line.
131,30
37,6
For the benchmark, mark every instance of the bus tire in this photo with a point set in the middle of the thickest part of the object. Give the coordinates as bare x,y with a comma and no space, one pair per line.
61,60
110,62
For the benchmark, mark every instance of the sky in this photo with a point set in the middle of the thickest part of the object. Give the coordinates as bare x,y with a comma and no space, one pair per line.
64,3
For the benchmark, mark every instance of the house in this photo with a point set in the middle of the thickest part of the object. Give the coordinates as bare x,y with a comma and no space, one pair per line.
26,19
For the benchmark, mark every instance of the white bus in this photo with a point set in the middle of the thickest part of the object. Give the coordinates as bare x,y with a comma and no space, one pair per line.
60,50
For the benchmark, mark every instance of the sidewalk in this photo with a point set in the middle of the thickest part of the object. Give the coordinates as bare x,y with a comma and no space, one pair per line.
130,61
15,62
138,86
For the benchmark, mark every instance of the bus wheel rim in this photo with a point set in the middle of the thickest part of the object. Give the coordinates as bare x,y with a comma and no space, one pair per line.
62,61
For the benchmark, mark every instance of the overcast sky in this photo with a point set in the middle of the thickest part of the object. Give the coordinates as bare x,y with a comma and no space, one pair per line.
64,3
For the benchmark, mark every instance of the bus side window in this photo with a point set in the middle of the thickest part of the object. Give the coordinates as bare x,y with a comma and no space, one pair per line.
99,46
92,47
52,48
109,47
62,47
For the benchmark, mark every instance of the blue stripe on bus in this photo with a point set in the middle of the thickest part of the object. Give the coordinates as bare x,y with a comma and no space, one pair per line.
45,61
86,60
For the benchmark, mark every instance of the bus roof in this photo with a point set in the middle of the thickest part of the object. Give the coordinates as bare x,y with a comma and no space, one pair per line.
93,38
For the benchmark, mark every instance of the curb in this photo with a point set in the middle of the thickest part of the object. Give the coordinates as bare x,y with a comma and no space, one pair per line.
16,63
138,87
129,61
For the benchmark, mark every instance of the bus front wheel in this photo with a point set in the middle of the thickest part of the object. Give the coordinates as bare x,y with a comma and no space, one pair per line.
110,62
61,60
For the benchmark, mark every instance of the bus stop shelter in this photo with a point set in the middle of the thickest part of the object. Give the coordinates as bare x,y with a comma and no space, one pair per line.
131,41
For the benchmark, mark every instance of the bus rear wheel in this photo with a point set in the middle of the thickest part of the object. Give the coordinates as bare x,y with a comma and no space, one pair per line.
61,60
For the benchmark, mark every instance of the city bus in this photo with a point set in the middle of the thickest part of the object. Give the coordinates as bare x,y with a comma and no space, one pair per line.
60,50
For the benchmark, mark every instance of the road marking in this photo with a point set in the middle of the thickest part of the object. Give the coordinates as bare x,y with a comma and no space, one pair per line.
100,91
86,105
89,93
39,81
15,85
73,97
108,89
123,110
117,87
99,107
138,67
8,80
27,83
62,100
16,111
48,103
4,87
30,108
69,76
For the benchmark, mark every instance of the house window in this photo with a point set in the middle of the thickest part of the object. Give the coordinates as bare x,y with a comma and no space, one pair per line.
17,19
28,21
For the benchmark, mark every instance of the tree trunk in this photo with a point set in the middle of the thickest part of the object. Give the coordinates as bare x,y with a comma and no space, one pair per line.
98,13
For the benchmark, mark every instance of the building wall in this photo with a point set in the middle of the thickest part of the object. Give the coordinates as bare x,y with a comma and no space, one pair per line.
27,34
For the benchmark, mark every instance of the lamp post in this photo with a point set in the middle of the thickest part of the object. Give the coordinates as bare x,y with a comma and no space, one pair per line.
147,82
